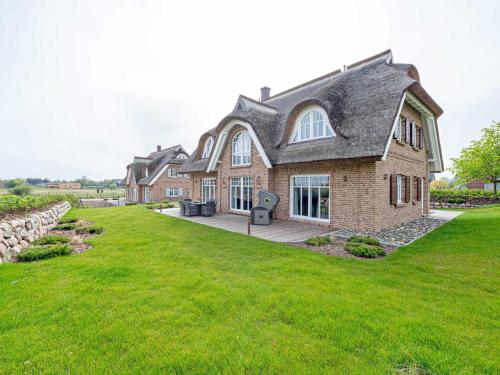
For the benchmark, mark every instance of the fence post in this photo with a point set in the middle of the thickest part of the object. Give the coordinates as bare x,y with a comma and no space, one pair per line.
248,226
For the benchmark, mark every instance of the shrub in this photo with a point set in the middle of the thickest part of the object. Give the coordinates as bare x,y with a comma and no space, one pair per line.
318,241
456,200
90,230
50,240
67,226
14,204
130,203
364,250
467,194
68,220
365,239
37,253
20,190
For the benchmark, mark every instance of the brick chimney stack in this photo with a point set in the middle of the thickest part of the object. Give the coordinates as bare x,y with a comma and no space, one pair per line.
265,93
158,148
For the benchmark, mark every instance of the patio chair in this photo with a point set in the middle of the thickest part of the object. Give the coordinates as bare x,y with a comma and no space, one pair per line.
208,209
181,207
191,209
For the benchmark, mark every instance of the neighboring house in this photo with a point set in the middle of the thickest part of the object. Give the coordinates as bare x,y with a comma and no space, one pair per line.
64,185
478,184
350,149
156,177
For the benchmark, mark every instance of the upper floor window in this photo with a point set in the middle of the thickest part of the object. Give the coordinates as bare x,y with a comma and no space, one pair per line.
312,124
208,147
241,148
181,156
171,172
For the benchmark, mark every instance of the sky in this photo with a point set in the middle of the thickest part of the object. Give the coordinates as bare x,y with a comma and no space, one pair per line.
86,85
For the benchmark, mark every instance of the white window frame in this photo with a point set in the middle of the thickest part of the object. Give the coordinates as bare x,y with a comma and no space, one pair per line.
309,127
147,194
207,149
211,184
173,192
241,186
309,218
413,140
399,189
245,149
134,194
172,173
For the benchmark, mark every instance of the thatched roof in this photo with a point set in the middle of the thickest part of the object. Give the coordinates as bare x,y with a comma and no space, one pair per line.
155,162
361,102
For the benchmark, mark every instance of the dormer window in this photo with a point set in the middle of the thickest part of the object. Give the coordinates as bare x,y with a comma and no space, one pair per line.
312,123
208,147
241,148
181,156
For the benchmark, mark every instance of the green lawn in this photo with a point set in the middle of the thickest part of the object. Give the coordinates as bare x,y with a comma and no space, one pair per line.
163,295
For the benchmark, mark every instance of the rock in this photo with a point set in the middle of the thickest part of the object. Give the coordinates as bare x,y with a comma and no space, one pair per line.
24,234
5,230
3,250
16,249
24,244
13,241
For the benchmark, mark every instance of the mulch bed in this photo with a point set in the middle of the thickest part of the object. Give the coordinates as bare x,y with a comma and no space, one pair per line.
76,239
336,248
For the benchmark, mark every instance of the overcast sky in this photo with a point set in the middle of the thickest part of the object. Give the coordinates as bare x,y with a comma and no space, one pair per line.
86,85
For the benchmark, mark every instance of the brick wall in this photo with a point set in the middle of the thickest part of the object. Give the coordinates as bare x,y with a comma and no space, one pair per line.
157,190
195,184
405,160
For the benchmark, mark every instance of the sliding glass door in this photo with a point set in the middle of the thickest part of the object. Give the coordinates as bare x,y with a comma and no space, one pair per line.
241,193
311,197
208,189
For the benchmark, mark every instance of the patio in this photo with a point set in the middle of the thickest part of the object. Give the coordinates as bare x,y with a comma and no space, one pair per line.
278,231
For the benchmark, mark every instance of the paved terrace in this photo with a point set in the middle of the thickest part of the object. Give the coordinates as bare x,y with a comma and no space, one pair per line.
279,231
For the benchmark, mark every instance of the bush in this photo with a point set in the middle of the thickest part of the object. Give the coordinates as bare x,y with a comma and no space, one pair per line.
467,194
68,220
156,206
50,240
37,253
90,230
365,239
14,204
131,204
67,226
20,190
364,250
456,200
318,241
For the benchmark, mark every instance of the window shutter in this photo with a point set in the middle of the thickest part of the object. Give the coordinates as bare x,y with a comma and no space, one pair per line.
397,131
421,139
419,188
407,189
393,189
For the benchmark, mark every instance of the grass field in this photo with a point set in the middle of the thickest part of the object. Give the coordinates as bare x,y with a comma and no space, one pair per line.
163,295
80,193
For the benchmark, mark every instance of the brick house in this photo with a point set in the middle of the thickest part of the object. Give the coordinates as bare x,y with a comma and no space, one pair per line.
351,149
156,177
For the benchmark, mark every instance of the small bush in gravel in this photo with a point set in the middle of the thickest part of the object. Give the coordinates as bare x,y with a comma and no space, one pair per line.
90,230
37,253
364,250
318,241
50,240
68,220
365,239
67,226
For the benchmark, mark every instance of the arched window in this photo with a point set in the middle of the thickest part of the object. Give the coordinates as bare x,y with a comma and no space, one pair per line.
208,147
312,123
241,148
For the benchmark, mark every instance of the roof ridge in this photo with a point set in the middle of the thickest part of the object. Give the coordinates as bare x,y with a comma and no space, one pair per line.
257,102
331,74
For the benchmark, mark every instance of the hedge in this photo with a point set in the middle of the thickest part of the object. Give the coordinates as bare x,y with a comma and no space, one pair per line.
37,253
13,204
469,194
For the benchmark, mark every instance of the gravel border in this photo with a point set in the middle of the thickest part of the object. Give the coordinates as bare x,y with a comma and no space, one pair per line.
400,235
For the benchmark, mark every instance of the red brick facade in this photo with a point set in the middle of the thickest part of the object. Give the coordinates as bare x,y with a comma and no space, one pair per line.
359,188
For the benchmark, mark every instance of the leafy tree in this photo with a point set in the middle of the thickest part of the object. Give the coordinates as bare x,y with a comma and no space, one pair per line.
10,184
113,186
481,160
442,183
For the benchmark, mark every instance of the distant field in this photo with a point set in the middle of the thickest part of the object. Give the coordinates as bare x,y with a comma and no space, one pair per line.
80,193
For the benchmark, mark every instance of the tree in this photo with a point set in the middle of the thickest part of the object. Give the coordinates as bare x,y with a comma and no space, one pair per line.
442,183
10,184
481,160
21,190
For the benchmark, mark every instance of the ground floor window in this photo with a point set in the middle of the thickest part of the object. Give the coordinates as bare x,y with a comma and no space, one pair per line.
241,193
134,194
311,197
172,192
208,189
146,194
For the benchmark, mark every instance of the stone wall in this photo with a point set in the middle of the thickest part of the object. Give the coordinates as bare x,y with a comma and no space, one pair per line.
16,234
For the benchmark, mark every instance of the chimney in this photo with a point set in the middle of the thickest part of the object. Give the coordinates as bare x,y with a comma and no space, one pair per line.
158,148
265,93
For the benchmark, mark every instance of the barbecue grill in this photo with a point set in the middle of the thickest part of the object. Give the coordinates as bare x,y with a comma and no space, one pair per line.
263,213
